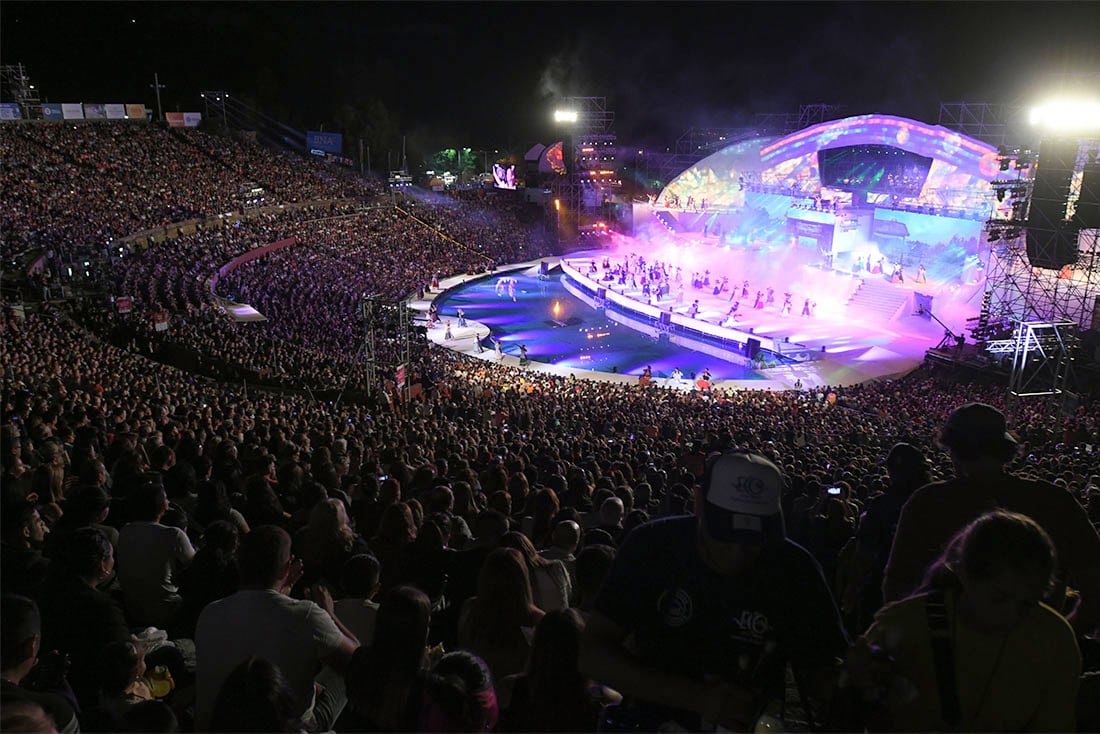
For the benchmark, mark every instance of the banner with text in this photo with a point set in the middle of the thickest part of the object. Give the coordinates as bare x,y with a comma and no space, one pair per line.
95,112
72,110
175,119
52,111
192,119
10,111
328,142
135,111
115,111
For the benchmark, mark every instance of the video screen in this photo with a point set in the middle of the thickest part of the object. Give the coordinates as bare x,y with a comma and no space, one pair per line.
874,168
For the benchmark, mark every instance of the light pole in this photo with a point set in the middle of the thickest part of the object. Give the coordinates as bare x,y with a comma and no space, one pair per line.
158,86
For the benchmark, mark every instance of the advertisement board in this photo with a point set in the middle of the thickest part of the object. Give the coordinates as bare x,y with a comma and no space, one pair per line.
10,111
95,112
328,142
72,110
175,119
52,111
115,111
192,119
135,111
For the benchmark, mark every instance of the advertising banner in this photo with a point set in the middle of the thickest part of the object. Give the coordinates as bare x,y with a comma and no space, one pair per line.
192,119
95,112
72,110
125,304
115,111
52,111
328,142
175,119
135,111
10,111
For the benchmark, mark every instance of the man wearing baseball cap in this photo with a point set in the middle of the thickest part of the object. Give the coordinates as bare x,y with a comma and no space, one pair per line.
980,445
701,613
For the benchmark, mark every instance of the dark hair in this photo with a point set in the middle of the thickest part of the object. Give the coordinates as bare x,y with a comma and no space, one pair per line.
84,550
145,500
154,717
997,541
460,696
118,662
263,554
553,668
21,622
15,517
360,575
222,537
593,565
396,655
255,697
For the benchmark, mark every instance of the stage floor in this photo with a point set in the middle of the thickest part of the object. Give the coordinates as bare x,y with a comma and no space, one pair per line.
859,343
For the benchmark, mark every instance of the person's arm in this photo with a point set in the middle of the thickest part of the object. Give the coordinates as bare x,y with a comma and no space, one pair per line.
604,658
185,552
908,556
338,641
1082,565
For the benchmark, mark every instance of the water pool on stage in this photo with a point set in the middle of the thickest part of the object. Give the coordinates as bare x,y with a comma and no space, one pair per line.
560,329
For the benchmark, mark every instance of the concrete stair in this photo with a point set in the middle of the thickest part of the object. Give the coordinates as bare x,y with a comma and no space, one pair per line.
878,299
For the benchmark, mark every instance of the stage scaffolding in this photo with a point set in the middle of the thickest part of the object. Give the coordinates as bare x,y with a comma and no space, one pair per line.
387,337
995,124
1037,314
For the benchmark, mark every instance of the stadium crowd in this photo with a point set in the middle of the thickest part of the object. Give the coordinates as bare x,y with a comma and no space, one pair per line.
181,551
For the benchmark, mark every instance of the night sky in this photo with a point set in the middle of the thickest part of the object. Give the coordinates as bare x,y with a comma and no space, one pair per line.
487,74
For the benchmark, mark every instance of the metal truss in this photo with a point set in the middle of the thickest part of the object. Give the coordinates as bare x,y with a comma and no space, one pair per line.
991,123
1042,358
386,341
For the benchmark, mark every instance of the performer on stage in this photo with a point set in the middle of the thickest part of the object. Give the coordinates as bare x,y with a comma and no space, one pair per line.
759,300
806,308
500,350
922,276
771,297
745,289
522,354
447,331
787,305
675,377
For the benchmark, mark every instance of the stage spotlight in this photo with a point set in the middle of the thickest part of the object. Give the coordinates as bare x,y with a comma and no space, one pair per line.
1000,194
565,115
1066,115
1004,164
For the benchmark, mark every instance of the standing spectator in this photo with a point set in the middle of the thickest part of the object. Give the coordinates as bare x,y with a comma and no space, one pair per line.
977,438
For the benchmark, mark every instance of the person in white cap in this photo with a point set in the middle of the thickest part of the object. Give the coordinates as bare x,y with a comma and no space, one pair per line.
714,605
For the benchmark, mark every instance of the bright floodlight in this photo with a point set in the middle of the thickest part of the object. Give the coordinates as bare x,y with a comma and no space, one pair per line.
1067,115
565,115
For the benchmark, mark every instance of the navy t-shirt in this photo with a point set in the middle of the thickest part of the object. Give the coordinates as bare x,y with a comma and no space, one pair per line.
687,619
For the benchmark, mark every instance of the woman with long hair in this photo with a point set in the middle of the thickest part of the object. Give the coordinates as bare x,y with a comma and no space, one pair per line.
256,697
385,680
550,583
975,649
396,533
539,525
326,543
459,696
497,623
552,694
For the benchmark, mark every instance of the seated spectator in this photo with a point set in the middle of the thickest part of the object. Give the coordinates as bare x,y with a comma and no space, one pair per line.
20,643
552,695
150,558
551,587
976,649
24,535
565,539
358,586
593,565
498,623
212,574
326,543
122,684
261,620
459,696
77,618
385,680
256,697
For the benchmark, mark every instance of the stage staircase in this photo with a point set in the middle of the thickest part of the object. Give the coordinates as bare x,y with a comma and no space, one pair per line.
878,300
666,219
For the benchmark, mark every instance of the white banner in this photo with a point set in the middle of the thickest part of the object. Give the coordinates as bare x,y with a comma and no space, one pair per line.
192,119
115,111
72,110
10,111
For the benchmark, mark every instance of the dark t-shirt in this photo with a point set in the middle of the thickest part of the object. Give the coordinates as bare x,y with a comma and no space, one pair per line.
689,620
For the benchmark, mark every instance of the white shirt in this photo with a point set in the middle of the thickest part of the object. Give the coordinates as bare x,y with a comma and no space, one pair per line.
358,616
294,634
148,556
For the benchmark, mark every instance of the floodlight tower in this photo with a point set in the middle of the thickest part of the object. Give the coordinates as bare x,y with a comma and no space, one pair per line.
590,156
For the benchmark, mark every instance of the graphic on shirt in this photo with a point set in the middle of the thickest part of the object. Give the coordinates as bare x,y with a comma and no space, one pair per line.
753,626
676,607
